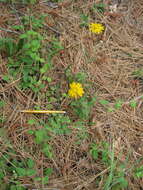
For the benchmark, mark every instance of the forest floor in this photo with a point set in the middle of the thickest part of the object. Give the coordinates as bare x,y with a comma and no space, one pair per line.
45,46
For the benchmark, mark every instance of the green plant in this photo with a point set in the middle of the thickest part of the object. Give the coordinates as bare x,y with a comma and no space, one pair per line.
82,132
138,172
14,168
54,48
101,150
45,179
138,74
84,20
24,54
133,104
2,103
36,22
28,61
118,104
80,77
58,124
99,7
28,58
42,138
94,151
82,107
116,177
8,46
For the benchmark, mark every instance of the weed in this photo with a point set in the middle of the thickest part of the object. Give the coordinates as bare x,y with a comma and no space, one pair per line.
36,23
99,7
80,77
94,151
82,104
15,168
84,20
41,137
28,60
101,150
2,103
138,172
118,104
82,107
82,133
116,179
58,125
96,28
133,104
8,46
54,48
45,179
24,56
138,74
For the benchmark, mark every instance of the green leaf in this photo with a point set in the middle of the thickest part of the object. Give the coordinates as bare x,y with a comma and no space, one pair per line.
18,27
1,174
2,104
49,79
118,104
81,77
30,172
103,102
6,78
122,182
45,180
21,172
30,132
100,7
13,187
17,187
32,121
45,68
138,73
48,171
133,103
84,19
110,109
139,172
94,151
40,136
47,150
30,163
37,178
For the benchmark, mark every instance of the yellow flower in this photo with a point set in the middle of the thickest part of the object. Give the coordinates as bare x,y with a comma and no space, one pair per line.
76,90
96,28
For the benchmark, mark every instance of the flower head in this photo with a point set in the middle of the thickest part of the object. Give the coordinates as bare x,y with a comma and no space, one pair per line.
76,90
96,28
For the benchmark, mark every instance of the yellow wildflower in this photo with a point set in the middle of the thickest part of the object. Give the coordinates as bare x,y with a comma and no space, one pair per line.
76,90
96,28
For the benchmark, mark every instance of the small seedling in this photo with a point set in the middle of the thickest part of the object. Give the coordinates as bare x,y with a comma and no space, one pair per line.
99,7
138,173
84,20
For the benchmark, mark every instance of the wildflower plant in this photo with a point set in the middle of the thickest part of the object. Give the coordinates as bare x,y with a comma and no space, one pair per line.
96,28
76,90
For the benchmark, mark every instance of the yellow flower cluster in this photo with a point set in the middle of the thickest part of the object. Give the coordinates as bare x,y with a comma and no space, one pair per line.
76,90
96,28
